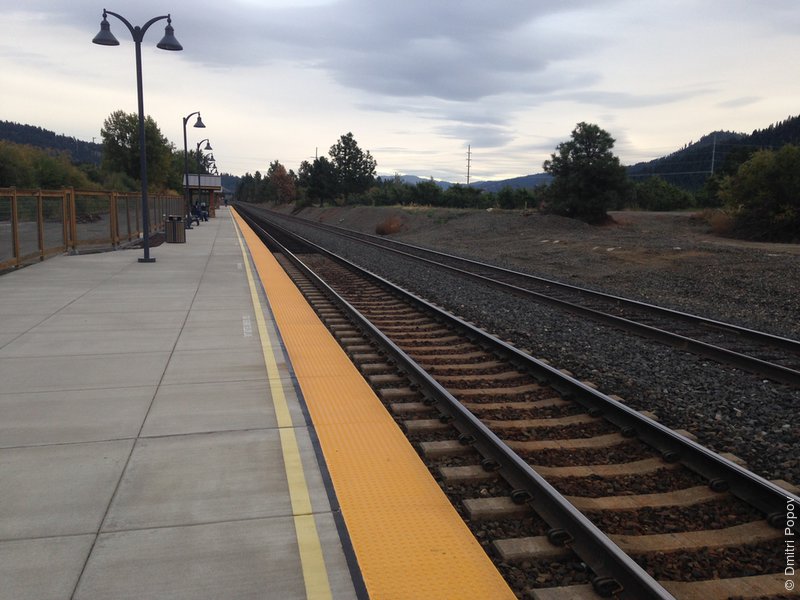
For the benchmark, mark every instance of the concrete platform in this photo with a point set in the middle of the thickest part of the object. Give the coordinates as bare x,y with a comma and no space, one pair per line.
140,452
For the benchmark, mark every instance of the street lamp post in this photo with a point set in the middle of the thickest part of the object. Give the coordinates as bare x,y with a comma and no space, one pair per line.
187,208
197,156
168,42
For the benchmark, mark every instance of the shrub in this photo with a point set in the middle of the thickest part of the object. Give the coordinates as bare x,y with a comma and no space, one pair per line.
719,221
389,226
764,196
656,194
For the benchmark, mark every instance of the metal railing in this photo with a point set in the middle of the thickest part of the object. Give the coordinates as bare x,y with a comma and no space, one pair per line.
36,224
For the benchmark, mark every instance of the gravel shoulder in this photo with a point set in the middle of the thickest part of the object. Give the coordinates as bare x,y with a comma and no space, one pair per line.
670,259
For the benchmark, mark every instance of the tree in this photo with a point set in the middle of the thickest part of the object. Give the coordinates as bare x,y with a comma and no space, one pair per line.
515,198
29,167
464,196
588,179
282,184
764,196
391,192
654,193
16,166
120,135
354,168
427,192
318,179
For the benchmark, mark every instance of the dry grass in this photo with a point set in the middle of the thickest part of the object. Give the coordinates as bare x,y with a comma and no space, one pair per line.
720,222
389,226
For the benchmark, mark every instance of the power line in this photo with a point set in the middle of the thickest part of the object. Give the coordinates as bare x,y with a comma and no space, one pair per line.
654,174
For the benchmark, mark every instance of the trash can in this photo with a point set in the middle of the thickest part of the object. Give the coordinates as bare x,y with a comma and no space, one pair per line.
174,230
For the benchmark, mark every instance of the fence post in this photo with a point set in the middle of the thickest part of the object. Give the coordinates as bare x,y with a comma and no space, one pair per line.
112,217
138,218
128,216
40,223
73,222
64,222
15,227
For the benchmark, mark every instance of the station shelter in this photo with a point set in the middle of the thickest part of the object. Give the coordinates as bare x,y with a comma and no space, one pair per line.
205,189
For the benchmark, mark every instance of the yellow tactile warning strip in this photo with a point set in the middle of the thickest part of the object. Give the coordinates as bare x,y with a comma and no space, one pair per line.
409,541
315,574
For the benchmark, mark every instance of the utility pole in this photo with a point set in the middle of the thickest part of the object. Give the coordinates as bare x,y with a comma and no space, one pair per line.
469,161
713,153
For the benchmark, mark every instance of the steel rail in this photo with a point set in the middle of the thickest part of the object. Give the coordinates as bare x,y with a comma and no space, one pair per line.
737,359
615,572
723,474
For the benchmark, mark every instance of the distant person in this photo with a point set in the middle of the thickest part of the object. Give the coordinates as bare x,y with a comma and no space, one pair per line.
203,211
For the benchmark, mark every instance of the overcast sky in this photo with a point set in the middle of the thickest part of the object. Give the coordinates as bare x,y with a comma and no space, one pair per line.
415,81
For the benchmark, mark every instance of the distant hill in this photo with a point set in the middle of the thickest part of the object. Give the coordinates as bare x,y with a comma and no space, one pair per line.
79,151
526,182
414,180
690,166
229,182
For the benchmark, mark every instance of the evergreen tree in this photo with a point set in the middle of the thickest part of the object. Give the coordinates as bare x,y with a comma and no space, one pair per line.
318,179
354,168
588,179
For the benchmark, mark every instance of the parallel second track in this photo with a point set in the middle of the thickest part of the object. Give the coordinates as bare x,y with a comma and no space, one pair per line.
510,438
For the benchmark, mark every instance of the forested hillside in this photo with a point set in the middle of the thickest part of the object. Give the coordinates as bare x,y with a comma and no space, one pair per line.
690,166
687,168
79,151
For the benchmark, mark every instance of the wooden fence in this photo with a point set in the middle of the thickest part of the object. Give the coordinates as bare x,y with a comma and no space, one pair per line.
35,224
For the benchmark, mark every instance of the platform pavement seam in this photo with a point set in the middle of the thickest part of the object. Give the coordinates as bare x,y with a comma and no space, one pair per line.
139,433
315,574
67,305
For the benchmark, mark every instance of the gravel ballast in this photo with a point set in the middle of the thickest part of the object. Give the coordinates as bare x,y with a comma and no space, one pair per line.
666,259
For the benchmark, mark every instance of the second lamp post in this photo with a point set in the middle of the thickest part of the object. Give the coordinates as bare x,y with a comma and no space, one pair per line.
187,204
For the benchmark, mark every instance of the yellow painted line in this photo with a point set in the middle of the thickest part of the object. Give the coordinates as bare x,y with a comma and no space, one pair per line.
315,574
409,541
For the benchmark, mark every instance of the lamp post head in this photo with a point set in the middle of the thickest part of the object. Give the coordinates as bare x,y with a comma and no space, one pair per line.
105,37
199,122
208,146
168,42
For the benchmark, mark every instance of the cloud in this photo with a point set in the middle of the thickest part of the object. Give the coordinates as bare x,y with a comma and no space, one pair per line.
453,50
740,102
627,100
469,63
483,136
420,79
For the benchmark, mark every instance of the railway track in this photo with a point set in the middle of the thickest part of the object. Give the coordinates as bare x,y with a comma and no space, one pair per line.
571,492
764,354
